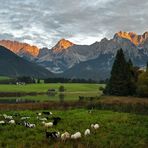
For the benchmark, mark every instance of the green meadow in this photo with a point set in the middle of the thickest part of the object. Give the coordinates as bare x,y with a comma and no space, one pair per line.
70,87
116,130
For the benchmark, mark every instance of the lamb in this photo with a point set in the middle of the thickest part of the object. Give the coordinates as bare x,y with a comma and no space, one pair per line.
12,121
75,136
87,132
49,124
65,136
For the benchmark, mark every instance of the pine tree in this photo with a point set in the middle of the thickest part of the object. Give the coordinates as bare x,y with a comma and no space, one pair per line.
120,82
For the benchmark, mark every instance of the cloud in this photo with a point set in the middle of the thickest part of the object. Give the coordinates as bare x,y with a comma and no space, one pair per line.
82,21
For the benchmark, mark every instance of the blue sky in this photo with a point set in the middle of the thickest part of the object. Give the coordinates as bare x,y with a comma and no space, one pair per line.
44,22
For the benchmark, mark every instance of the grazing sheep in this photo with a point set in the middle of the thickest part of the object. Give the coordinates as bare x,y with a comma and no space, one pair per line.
39,114
24,118
49,124
7,117
92,125
75,136
27,124
95,126
56,120
53,135
31,125
65,136
47,113
42,119
12,121
2,122
87,132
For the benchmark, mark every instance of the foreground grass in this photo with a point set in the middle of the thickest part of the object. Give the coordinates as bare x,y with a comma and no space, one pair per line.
122,130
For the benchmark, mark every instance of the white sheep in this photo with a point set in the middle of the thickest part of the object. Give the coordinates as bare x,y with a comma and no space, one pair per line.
65,136
12,121
95,126
31,125
49,124
39,114
2,122
7,117
92,125
42,119
87,132
75,136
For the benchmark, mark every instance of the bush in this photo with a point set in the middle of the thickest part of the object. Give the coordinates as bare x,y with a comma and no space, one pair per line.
61,88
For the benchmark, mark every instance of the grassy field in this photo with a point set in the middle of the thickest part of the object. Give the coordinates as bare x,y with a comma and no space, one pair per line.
116,130
4,78
70,87
72,91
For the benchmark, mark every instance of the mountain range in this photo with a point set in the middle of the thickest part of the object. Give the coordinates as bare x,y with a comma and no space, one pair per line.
94,61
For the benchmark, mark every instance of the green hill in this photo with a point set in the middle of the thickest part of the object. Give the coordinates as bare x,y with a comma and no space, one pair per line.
14,66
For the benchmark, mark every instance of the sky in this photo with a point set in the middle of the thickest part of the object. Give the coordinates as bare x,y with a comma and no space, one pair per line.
45,22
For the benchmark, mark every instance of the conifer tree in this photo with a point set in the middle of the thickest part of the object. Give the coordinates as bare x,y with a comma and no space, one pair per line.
121,81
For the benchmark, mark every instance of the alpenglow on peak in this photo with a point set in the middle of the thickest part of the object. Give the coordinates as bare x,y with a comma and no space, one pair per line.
62,45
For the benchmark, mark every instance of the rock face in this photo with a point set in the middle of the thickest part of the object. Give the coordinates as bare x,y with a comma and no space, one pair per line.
13,65
95,61
133,37
21,49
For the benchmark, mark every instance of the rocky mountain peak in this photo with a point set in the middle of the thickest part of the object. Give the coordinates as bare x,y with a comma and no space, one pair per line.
62,45
132,36
20,48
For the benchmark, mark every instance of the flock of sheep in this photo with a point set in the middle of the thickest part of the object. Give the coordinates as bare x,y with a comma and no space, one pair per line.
55,120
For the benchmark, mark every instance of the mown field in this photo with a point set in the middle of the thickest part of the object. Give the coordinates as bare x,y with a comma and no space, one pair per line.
70,87
116,130
72,91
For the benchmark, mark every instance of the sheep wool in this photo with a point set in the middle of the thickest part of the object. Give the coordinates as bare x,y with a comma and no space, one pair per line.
49,124
96,126
77,135
87,132
65,136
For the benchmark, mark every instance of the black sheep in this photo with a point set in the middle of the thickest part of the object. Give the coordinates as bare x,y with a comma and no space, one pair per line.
56,120
52,135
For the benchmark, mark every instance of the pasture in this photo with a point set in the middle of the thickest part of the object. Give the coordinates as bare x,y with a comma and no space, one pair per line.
70,87
116,130
72,91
